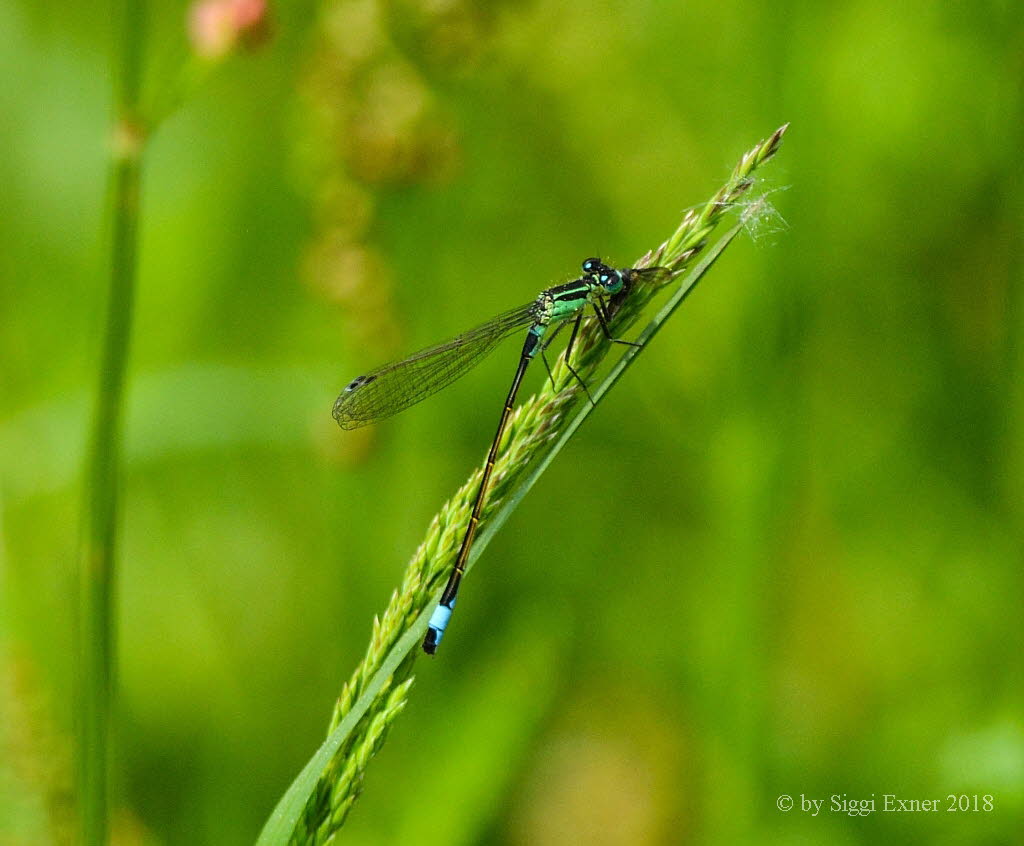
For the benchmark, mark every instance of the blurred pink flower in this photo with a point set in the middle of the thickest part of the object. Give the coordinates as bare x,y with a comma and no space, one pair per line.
217,26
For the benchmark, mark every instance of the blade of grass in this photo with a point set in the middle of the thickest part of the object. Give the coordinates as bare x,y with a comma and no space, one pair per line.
97,645
278,829
318,801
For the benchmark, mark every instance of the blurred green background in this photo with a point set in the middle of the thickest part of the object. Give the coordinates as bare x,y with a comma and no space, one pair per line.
784,557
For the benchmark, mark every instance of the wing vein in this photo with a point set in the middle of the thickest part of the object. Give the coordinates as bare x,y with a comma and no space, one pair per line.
396,386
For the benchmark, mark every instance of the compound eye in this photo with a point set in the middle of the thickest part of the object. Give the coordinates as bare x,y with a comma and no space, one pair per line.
591,264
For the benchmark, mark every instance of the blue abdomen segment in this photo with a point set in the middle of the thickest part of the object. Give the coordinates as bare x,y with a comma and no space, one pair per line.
533,338
438,623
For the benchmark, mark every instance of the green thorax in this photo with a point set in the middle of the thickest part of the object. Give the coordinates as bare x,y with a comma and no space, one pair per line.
565,301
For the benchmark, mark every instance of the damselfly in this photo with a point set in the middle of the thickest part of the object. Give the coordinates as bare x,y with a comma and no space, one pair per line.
394,387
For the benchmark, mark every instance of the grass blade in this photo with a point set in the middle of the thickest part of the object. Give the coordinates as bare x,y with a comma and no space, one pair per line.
316,804
97,645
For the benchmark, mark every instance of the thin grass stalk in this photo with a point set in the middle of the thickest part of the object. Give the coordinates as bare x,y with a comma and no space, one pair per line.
97,642
316,805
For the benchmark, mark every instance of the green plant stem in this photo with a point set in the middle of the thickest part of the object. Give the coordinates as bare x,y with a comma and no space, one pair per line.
316,804
97,574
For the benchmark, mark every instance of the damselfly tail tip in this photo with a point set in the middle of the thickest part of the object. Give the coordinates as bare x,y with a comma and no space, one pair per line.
438,623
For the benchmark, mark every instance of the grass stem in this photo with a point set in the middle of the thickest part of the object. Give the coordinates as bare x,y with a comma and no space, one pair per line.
315,806
97,642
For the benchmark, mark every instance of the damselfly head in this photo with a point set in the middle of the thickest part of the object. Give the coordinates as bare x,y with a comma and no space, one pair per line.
602,275
593,265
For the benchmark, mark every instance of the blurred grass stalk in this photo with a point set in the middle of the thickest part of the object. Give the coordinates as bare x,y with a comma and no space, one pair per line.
97,643
317,803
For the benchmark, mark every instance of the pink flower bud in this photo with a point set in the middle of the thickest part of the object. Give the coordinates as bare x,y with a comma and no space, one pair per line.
216,27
